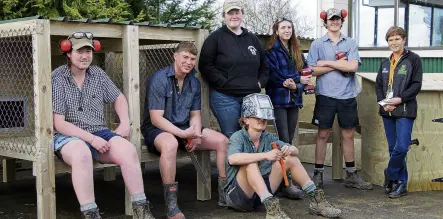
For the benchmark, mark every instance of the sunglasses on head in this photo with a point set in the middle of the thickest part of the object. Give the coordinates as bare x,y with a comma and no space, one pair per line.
81,35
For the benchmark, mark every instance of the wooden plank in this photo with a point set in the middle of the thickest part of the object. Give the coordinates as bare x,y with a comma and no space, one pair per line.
99,30
204,157
62,167
424,161
171,34
337,152
109,173
43,121
131,89
8,170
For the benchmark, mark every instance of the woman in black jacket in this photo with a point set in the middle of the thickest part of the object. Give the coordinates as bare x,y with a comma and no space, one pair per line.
398,83
233,63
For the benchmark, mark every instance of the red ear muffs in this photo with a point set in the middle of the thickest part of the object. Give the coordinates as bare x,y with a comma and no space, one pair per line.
323,15
343,12
97,45
66,46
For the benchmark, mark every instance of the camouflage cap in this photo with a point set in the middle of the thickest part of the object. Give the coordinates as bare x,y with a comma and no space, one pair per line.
333,12
232,4
257,106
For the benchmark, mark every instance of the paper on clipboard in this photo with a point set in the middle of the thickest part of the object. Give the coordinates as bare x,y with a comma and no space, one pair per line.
388,97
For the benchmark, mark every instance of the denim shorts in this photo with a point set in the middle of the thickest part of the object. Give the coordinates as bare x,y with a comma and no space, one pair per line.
237,199
61,140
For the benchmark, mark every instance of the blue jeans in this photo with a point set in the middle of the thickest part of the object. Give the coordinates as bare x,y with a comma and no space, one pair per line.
398,134
227,110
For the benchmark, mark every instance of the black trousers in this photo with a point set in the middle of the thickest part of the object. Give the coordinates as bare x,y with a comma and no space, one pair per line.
286,120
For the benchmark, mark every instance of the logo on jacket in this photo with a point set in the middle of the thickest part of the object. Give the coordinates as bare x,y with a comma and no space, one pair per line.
402,70
253,50
385,71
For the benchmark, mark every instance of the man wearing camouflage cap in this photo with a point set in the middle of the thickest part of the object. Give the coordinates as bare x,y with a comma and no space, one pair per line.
335,59
252,174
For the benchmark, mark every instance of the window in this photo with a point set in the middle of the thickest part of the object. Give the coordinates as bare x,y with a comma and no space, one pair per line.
367,25
437,27
385,21
419,26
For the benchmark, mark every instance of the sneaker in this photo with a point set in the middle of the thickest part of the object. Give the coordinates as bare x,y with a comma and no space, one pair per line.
318,178
141,211
353,180
320,206
292,191
274,210
91,214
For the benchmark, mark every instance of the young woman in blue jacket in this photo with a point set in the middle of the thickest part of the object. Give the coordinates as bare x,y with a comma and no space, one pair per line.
285,84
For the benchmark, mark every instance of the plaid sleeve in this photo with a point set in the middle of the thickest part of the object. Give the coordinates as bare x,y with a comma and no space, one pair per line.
196,102
111,92
58,97
156,91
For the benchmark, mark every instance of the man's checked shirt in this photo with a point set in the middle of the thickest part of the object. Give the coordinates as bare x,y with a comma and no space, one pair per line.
83,107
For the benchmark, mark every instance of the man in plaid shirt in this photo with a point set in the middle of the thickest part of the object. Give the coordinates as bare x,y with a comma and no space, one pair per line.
79,94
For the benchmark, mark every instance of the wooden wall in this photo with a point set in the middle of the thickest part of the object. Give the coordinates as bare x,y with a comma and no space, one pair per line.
424,161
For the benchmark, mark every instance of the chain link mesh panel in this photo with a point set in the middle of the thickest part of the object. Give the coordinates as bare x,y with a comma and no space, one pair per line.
112,63
307,112
152,59
17,121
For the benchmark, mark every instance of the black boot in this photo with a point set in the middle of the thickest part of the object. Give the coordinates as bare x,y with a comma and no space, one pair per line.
170,195
91,214
399,190
388,184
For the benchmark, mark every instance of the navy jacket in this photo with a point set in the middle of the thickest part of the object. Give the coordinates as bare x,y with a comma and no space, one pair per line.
282,66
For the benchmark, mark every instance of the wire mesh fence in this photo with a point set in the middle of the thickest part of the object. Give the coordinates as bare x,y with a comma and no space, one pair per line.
17,135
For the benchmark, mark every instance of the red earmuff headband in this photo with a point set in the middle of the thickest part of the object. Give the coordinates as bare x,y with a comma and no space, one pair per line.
66,45
324,15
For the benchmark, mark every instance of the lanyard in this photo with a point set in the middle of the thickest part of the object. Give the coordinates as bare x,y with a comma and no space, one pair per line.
393,65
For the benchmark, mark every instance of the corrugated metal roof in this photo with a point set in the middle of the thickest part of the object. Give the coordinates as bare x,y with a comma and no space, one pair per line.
103,20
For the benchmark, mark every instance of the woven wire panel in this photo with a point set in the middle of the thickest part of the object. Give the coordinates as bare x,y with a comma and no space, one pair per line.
112,64
17,117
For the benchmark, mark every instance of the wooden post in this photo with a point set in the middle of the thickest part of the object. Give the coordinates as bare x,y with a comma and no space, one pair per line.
45,172
204,157
8,169
109,173
337,152
131,89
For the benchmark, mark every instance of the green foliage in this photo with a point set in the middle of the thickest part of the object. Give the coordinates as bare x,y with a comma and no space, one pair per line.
189,12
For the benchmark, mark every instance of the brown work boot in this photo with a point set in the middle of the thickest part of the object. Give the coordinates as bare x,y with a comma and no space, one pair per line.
170,195
274,210
221,192
353,180
320,206
141,211
91,214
